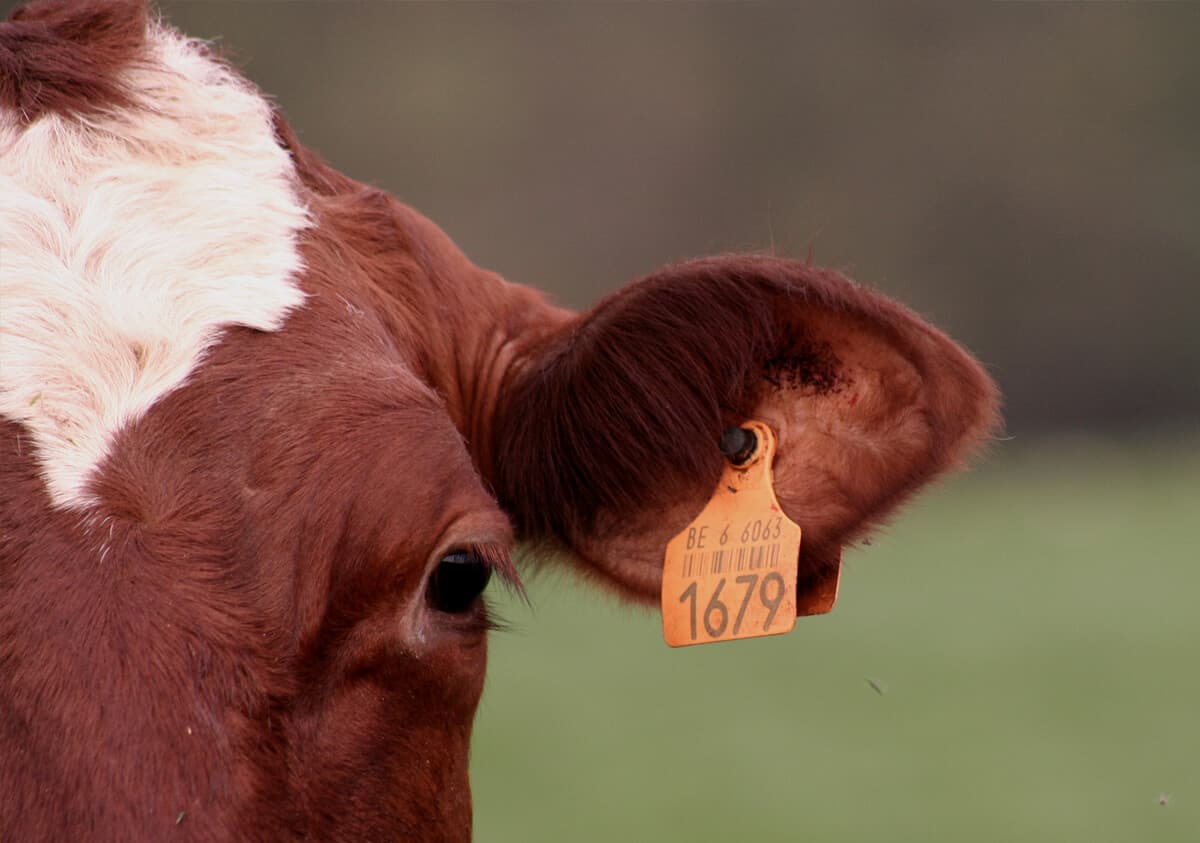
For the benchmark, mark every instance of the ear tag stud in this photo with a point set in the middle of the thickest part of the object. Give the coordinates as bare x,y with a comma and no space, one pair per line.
731,573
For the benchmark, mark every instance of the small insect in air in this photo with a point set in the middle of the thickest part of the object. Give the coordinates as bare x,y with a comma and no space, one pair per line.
877,686
1164,799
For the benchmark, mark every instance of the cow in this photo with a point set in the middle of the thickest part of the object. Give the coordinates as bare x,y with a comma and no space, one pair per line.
267,434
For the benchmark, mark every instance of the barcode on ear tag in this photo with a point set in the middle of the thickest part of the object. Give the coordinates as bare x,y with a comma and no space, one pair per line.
731,573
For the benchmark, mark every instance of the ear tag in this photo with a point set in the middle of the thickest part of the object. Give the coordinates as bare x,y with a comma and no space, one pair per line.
731,573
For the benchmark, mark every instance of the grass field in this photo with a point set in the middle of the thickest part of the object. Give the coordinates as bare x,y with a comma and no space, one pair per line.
1034,627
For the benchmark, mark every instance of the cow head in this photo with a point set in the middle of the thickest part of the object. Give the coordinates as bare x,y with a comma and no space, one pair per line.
267,434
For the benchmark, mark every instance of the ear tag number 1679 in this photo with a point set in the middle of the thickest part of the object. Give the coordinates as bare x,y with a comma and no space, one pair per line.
731,573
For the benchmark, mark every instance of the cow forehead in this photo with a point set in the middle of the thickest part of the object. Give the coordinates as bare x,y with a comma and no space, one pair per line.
128,241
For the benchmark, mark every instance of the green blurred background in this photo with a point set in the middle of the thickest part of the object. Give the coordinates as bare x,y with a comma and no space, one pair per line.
1027,175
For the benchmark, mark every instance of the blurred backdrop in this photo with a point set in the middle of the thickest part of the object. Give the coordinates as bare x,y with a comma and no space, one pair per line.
1027,176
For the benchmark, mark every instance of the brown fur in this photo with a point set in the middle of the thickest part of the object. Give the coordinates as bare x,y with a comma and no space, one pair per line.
66,57
235,643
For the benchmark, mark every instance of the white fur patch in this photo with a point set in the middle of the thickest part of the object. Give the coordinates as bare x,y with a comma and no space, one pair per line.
127,242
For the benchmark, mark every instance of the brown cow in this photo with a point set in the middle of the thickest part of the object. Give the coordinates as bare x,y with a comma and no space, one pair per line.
266,433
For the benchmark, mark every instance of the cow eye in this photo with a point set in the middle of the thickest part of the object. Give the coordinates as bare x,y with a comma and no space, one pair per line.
458,579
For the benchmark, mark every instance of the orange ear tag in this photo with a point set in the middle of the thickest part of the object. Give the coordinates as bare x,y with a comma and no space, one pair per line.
731,573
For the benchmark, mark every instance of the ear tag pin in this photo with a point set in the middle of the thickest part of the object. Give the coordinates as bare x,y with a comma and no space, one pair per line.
731,573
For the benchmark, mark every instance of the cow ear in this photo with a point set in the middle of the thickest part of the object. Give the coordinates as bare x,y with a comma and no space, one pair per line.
606,434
